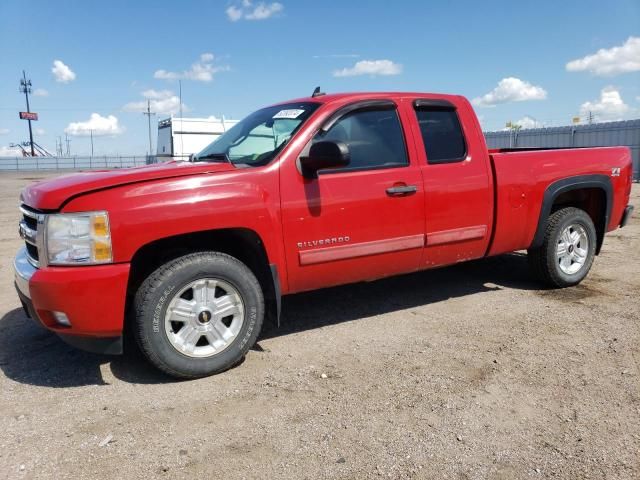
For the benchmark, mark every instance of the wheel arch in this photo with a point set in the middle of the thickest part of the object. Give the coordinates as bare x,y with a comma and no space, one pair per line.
592,193
241,243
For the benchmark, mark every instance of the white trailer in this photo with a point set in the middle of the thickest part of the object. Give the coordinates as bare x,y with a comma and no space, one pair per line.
180,137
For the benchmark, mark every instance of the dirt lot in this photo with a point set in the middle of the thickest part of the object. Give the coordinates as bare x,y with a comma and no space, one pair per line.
469,372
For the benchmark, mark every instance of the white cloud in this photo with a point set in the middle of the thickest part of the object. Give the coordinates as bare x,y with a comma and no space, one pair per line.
370,67
10,151
201,71
610,106
263,11
40,92
510,89
161,101
4,131
610,61
234,13
247,10
40,131
100,125
62,72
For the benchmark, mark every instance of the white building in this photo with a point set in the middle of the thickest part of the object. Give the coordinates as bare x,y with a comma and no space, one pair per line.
180,137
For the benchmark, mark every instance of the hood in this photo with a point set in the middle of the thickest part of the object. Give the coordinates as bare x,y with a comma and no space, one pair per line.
51,194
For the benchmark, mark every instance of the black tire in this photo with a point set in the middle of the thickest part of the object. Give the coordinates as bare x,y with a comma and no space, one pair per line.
544,261
155,294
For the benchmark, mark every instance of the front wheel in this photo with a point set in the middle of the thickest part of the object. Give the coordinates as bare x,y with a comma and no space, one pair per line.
568,249
198,314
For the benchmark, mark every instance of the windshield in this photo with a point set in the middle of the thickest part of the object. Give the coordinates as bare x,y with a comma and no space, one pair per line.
258,138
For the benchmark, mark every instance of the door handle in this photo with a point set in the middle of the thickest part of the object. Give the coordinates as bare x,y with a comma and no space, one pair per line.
401,190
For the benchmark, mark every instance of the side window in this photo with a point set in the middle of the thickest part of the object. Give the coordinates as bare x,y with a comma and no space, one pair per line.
374,138
442,134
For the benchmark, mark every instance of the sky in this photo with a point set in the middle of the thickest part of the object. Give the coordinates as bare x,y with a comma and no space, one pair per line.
94,65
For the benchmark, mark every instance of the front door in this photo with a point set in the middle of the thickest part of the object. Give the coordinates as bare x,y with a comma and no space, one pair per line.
360,222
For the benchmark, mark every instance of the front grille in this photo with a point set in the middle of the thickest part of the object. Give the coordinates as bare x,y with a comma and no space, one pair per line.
32,250
30,221
30,225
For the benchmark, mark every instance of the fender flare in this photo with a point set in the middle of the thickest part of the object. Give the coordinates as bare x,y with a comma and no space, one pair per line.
579,182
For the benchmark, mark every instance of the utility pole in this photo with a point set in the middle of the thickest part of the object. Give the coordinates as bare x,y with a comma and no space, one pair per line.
590,117
148,113
181,121
91,142
25,87
66,139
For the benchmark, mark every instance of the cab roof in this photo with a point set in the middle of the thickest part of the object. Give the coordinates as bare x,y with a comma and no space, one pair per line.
355,96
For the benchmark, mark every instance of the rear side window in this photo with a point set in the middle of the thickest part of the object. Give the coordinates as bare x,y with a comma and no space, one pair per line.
442,134
374,137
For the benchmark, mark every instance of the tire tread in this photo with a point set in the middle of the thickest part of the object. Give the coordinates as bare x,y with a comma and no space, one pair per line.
144,296
541,263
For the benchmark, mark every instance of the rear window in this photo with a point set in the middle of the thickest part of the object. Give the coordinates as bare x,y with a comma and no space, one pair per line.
441,134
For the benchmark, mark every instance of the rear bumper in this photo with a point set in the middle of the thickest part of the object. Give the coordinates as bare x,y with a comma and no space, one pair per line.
91,297
628,211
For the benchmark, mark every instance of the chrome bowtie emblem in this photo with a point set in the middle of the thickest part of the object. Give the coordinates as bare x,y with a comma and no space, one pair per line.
204,316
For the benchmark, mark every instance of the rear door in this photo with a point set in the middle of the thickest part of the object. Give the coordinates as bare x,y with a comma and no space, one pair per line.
364,221
458,182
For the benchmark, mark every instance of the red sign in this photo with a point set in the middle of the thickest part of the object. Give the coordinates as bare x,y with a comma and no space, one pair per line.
28,116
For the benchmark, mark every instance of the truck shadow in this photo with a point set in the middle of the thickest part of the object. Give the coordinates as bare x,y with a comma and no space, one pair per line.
335,305
31,355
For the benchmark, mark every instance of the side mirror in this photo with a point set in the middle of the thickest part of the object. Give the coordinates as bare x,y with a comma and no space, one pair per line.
326,154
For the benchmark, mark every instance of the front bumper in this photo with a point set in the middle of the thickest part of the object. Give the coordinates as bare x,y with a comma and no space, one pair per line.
92,298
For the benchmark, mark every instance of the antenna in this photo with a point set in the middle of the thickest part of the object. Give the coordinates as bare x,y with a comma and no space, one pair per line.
317,93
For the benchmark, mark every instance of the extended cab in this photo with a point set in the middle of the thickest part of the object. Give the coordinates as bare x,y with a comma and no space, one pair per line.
188,258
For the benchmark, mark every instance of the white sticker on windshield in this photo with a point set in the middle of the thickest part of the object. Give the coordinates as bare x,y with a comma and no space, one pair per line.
293,113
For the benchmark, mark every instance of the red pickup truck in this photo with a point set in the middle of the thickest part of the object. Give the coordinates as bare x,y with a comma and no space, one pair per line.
190,257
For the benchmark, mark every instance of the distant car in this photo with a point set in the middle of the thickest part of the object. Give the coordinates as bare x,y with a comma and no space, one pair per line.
302,195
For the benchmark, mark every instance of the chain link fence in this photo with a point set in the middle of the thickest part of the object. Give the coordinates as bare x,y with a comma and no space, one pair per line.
15,164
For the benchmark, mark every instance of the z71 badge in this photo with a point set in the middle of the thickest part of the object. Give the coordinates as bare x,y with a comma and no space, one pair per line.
615,172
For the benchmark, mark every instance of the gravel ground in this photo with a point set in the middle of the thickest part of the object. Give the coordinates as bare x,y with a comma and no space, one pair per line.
469,372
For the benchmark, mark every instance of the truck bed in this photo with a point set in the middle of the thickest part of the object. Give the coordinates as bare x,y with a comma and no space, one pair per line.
521,177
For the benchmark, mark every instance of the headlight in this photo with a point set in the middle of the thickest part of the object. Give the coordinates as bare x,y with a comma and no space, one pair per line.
78,238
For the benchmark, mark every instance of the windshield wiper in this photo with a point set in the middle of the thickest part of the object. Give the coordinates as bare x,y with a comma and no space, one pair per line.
216,157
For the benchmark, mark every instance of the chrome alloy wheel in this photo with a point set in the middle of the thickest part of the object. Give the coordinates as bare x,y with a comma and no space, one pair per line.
204,317
572,249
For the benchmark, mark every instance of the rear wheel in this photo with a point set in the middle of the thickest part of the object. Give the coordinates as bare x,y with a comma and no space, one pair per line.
198,314
568,249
